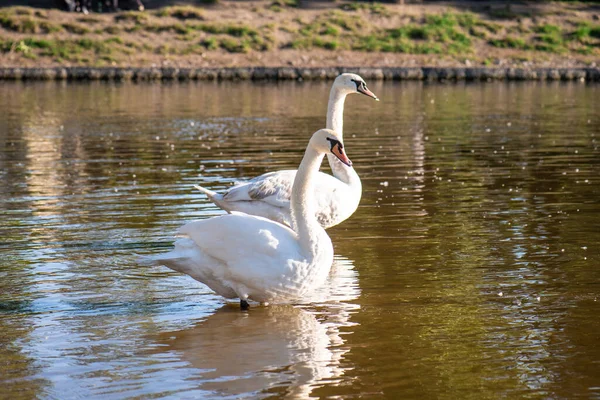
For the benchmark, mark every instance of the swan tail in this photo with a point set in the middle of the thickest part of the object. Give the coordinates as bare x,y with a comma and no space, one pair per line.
182,259
211,195
147,261
173,260
189,259
214,197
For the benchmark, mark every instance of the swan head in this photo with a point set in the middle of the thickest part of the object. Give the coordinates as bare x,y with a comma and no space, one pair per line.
326,141
352,83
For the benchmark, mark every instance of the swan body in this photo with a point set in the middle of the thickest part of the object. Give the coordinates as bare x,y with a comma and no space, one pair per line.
268,195
336,197
250,257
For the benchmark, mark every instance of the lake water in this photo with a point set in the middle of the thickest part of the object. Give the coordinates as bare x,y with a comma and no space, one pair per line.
470,270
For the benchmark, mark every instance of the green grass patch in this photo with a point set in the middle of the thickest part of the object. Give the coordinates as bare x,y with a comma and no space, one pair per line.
137,17
18,10
549,38
582,32
373,8
315,42
89,20
182,29
114,39
412,32
510,43
478,33
238,30
25,46
210,43
48,27
445,20
279,5
235,38
233,45
330,30
437,34
38,43
19,24
65,50
491,27
350,23
75,28
112,29
506,13
595,31
182,12
165,49
467,20
548,29
179,28
390,44
585,50
549,47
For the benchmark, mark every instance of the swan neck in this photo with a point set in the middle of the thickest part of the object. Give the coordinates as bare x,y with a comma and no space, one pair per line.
335,121
335,111
303,202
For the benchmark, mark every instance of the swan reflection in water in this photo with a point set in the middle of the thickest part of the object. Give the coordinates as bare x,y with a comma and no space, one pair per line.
276,349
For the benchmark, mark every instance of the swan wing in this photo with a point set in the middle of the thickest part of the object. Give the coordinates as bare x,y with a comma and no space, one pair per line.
239,239
274,188
269,196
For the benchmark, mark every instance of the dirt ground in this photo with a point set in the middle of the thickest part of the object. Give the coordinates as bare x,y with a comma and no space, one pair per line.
279,33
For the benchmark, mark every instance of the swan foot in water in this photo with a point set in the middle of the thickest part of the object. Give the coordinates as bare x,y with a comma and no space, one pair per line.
244,305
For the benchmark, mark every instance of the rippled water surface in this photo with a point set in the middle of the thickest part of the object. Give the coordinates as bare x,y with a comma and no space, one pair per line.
470,270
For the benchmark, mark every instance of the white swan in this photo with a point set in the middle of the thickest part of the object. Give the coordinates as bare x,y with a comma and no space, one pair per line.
251,257
337,196
303,346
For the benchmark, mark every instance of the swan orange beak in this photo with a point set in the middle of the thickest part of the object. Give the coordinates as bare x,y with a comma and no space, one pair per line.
338,150
367,92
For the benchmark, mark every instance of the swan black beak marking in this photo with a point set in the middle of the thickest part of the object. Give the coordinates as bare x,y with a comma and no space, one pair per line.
337,148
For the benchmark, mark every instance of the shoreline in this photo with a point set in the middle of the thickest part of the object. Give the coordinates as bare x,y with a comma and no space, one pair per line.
292,73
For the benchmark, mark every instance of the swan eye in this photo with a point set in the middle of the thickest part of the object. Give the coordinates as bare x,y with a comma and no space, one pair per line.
334,142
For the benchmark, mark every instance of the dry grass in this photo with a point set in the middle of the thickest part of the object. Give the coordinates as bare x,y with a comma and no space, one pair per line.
266,30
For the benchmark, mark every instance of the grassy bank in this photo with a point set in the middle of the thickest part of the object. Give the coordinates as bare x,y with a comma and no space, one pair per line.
277,33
